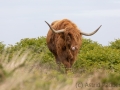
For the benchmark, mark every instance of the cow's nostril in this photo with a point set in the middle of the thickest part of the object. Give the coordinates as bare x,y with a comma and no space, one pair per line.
73,48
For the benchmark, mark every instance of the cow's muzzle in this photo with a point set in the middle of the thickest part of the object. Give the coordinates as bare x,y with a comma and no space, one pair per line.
74,48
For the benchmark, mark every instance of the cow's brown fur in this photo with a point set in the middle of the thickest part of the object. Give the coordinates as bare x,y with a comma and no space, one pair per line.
60,44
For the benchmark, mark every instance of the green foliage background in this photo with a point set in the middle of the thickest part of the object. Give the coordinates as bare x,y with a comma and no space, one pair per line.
92,56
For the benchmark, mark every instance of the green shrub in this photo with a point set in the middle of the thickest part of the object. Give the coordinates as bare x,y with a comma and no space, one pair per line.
93,55
2,47
115,44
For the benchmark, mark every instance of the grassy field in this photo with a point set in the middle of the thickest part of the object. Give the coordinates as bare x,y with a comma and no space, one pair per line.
29,65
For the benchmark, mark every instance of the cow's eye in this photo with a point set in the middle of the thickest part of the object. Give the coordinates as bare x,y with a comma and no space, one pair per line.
69,35
68,38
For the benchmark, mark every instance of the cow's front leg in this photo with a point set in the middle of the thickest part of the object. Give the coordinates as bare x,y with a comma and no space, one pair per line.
67,66
58,63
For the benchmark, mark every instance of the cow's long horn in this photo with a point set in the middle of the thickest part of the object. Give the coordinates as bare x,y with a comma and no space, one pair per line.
55,31
89,34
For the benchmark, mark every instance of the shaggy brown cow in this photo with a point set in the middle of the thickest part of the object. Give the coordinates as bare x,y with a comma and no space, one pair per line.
64,41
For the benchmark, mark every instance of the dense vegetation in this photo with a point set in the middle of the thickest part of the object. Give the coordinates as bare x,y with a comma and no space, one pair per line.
29,65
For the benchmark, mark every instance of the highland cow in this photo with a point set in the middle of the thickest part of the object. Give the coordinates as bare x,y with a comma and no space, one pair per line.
64,40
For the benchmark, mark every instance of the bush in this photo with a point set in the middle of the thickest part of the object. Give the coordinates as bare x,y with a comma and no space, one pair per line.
115,44
2,46
93,55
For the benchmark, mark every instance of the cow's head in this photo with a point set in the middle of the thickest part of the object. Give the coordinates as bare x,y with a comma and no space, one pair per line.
72,38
